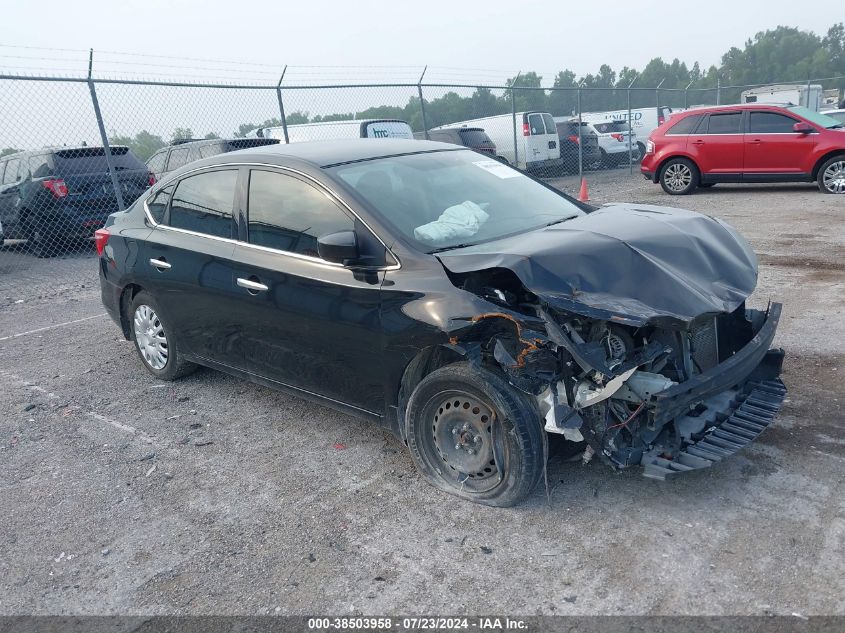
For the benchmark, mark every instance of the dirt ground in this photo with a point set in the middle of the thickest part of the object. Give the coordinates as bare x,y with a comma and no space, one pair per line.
211,495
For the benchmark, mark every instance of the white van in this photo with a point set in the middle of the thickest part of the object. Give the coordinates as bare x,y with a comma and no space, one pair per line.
537,143
643,120
329,130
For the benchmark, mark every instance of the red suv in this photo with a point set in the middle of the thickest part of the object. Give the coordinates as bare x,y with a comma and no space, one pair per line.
746,143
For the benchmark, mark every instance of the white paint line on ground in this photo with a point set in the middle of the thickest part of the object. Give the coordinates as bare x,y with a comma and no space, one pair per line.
120,426
51,327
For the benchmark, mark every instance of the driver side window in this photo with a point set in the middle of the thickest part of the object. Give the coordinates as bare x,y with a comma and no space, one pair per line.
288,214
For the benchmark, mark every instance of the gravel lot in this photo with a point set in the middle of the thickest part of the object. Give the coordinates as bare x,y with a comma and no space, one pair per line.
212,495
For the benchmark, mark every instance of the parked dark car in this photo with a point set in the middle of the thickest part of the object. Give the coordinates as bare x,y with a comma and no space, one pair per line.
184,151
590,151
460,303
472,137
51,196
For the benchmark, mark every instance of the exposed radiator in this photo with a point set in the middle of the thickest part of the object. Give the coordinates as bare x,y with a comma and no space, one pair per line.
704,345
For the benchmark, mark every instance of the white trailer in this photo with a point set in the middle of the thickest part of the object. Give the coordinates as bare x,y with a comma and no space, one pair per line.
809,96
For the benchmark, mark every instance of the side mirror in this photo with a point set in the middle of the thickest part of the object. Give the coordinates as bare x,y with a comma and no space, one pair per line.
802,128
339,248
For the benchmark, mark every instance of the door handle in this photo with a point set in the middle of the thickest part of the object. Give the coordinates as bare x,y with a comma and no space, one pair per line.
698,142
160,264
756,141
254,287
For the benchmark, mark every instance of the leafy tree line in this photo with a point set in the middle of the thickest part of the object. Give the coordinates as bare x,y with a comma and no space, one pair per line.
781,54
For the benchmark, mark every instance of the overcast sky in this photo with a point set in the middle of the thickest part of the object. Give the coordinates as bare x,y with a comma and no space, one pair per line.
489,35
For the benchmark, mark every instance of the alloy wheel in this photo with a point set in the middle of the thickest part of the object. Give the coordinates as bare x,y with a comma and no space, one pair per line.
677,177
150,337
834,177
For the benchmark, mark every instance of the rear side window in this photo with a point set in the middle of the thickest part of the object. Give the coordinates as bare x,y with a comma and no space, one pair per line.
288,214
724,123
686,125
770,123
178,157
535,123
158,203
203,203
156,162
92,160
475,138
11,174
212,149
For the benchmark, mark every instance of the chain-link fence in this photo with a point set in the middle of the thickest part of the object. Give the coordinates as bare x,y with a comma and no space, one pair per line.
76,149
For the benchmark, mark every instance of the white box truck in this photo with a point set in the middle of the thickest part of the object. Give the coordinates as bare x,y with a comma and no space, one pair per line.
532,145
330,130
809,96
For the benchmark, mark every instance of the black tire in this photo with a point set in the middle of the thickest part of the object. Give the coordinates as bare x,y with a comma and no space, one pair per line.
500,447
174,366
679,177
605,160
641,147
835,185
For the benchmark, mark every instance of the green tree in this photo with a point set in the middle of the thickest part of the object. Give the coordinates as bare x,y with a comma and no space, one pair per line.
8,150
143,144
181,133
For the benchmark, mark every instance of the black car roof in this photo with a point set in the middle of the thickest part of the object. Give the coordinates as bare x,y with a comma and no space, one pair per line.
325,153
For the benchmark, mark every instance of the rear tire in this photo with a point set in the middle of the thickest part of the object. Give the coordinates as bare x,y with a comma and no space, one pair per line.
488,448
831,177
155,343
679,177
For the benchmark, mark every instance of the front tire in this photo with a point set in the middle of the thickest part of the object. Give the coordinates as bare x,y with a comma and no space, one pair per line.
831,178
154,340
679,177
473,435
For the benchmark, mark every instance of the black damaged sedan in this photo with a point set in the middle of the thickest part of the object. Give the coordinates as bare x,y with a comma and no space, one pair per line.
460,303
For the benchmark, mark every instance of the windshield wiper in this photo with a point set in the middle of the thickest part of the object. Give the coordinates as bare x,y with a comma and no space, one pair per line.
449,248
570,217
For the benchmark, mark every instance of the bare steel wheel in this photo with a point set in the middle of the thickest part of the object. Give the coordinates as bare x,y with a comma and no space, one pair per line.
462,432
832,175
150,337
154,338
473,435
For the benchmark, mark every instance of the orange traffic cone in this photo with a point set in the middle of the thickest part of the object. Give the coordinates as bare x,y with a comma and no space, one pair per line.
583,195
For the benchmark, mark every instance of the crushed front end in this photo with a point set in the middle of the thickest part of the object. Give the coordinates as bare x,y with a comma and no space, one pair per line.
668,396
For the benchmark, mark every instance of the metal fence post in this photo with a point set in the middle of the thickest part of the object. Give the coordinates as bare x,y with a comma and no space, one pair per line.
103,136
422,103
580,148
513,116
630,130
686,96
282,105
808,94
718,91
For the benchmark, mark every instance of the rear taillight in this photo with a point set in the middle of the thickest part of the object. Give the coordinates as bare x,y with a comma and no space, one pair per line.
101,238
526,129
151,179
618,136
573,139
56,185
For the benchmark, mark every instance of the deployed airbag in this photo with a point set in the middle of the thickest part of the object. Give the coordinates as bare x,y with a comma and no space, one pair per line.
459,221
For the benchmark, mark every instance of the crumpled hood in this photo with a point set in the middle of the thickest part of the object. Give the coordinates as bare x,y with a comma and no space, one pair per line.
631,263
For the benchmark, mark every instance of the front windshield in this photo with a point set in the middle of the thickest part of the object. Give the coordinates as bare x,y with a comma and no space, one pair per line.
442,200
816,117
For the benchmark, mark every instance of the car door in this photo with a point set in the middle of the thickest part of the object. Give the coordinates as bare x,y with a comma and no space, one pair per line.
186,262
773,147
717,147
536,146
305,323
